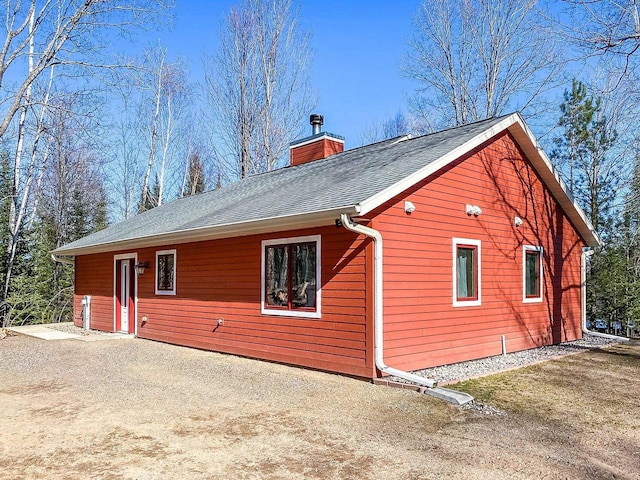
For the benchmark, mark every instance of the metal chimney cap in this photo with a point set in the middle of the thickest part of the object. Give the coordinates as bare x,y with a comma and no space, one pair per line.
316,119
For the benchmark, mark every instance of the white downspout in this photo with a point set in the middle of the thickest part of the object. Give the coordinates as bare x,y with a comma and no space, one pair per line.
58,259
583,273
377,305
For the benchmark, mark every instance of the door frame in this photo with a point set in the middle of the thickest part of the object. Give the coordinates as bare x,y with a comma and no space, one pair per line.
133,288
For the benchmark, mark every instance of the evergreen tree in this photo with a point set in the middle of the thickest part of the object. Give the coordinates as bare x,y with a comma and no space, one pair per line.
100,220
150,199
583,153
79,224
196,178
5,203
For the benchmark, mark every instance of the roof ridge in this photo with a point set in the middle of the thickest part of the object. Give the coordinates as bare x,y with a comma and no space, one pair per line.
476,122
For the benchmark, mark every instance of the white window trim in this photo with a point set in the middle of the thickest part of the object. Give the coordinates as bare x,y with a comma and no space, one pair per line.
175,263
466,303
291,313
525,299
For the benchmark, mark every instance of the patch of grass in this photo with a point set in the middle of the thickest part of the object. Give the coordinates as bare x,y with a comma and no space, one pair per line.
597,389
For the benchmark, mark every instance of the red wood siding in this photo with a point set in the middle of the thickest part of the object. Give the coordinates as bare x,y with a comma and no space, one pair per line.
222,279
94,276
422,328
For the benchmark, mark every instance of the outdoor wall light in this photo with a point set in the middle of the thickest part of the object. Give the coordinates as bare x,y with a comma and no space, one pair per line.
140,266
472,210
409,207
517,221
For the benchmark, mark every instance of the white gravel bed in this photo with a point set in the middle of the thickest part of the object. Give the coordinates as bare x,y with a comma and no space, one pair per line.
69,327
485,366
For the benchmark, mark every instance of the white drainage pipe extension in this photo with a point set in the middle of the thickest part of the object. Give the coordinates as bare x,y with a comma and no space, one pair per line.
377,305
583,274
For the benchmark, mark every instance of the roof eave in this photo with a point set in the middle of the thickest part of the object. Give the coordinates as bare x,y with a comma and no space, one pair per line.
274,224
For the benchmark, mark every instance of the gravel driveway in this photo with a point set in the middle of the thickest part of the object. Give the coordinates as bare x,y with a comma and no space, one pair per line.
144,410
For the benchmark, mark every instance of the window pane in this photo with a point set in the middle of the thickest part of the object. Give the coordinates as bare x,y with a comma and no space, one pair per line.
277,275
303,290
165,272
532,274
465,271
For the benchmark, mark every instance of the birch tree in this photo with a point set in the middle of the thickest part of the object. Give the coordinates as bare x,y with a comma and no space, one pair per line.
59,32
39,38
257,85
479,59
164,102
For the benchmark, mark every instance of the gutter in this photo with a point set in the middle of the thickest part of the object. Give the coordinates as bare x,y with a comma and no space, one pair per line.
453,396
59,259
194,234
583,274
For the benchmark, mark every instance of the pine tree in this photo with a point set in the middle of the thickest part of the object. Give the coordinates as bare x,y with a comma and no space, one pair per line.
78,219
150,199
196,178
577,113
5,199
100,220
583,154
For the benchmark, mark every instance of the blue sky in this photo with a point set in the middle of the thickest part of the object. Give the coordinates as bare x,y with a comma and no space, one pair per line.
358,46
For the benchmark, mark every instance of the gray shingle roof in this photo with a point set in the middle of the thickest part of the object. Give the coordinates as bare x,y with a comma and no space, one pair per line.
341,181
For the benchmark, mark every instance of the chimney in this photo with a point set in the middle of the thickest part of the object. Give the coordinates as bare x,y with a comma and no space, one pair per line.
317,146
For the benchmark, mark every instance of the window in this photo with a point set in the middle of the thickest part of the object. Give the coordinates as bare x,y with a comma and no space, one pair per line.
290,276
466,272
166,272
532,274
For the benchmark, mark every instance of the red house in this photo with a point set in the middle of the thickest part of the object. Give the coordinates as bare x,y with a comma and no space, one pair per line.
392,257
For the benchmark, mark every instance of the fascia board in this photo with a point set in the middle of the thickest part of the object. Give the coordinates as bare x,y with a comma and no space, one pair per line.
275,224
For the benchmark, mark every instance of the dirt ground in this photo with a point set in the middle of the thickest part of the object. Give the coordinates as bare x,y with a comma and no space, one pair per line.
135,409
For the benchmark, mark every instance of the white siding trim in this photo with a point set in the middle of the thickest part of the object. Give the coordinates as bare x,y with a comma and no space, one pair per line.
454,283
324,136
292,313
378,199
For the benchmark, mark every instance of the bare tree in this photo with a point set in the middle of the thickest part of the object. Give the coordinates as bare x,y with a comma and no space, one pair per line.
257,85
397,125
39,35
165,98
479,59
59,32
606,26
125,162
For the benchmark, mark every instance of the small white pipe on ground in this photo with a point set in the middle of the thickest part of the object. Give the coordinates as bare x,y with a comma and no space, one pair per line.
504,346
